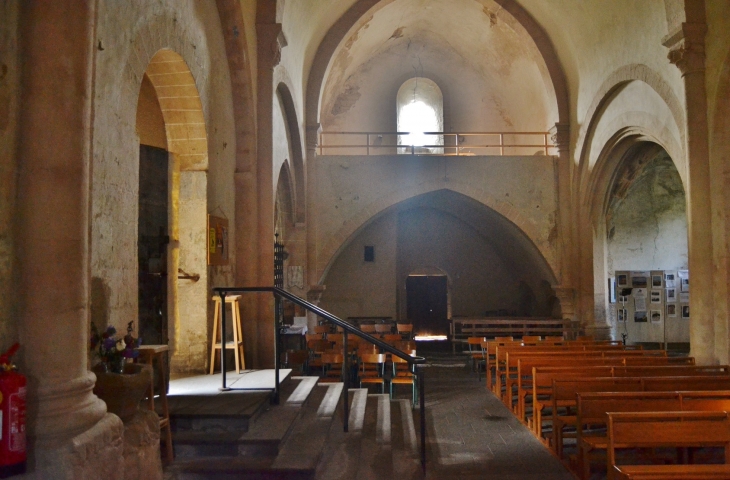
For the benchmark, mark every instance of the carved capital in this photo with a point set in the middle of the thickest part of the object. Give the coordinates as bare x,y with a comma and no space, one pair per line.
566,295
271,40
314,294
560,136
313,132
687,48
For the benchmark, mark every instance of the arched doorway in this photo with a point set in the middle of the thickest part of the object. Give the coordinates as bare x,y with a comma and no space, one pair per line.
172,220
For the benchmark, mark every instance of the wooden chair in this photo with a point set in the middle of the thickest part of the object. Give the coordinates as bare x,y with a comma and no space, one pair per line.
504,339
323,330
392,338
402,376
405,330
372,368
383,329
531,338
368,328
316,348
297,360
477,355
332,367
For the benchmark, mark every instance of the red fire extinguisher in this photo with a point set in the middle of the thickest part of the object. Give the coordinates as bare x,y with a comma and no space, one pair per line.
12,416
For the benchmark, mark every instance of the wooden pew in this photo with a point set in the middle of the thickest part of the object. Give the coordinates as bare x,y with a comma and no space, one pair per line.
522,378
565,392
673,472
592,409
502,352
665,429
543,375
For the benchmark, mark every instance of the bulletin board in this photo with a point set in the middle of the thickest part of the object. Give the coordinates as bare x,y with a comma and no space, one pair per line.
218,245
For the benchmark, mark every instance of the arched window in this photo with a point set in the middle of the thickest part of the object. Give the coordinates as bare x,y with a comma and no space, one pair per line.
420,110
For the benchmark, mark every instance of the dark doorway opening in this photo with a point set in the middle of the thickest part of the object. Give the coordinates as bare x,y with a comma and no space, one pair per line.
152,243
427,304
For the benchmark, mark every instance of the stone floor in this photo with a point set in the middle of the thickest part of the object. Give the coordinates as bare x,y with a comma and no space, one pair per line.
472,435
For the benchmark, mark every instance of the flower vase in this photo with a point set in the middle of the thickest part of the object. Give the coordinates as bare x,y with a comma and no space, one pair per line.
122,392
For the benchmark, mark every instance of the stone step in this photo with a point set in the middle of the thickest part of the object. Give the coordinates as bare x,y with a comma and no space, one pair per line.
226,468
302,449
262,438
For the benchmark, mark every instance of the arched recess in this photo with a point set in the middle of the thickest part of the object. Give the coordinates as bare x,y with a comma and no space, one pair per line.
284,204
335,35
635,188
367,214
492,264
174,91
295,145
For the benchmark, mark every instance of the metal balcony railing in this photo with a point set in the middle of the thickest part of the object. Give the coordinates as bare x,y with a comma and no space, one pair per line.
440,143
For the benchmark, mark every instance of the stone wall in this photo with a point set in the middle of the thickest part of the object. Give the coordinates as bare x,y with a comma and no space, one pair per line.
129,35
353,190
9,98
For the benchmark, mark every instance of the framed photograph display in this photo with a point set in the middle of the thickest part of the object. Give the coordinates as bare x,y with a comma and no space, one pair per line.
621,315
622,280
656,281
685,311
656,296
671,295
671,310
656,316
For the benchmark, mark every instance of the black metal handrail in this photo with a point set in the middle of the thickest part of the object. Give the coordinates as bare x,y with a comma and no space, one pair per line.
413,361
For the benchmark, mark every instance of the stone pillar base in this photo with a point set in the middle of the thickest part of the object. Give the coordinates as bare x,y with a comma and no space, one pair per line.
599,332
142,447
93,454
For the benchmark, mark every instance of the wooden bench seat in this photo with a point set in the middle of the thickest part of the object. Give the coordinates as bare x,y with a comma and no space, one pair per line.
502,352
522,377
564,394
543,376
592,409
672,472
664,429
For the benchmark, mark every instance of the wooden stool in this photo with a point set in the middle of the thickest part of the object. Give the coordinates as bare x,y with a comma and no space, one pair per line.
237,344
148,354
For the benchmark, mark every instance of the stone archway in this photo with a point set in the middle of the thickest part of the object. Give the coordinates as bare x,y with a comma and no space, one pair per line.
186,141
638,215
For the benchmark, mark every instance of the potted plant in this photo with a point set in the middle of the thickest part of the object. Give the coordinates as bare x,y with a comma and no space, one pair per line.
120,384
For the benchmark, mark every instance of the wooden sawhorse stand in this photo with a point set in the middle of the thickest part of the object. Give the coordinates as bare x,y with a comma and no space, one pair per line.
237,344
148,354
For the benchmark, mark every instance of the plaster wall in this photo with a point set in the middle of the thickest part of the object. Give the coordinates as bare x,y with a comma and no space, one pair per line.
593,46
352,190
129,34
9,112
356,288
648,229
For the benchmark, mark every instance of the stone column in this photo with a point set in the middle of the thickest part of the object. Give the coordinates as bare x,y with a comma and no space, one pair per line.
311,195
566,295
71,435
270,42
687,52
314,295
